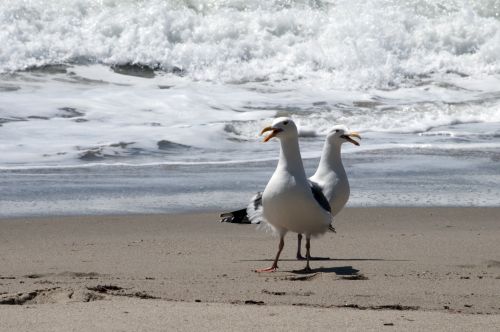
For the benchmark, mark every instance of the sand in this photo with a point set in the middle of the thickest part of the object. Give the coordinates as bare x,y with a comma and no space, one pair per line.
405,268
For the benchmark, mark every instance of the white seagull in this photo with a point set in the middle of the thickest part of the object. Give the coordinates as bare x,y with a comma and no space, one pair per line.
330,175
289,203
330,178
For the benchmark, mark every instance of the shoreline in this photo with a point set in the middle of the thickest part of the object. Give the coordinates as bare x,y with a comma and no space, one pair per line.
434,266
396,180
216,212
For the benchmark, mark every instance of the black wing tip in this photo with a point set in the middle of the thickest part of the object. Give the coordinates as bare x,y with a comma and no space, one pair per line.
241,216
226,217
317,192
235,217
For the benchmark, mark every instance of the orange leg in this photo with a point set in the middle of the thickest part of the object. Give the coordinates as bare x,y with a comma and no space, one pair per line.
274,267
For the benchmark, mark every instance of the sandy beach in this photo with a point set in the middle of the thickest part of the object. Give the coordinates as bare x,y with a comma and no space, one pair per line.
127,127
409,268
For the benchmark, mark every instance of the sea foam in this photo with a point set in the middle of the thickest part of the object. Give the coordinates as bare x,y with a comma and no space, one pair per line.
182,82
341,44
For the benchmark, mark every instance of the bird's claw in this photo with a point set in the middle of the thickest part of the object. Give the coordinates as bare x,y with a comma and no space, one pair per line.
268,269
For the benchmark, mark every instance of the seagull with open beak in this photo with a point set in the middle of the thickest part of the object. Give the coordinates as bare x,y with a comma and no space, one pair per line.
289,202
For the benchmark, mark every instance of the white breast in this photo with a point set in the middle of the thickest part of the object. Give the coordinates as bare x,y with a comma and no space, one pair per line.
289,205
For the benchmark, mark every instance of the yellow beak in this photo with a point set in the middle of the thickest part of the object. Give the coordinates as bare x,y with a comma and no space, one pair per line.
274,132
351,135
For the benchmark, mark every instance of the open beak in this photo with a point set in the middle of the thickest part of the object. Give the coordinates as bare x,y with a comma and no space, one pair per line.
349,137
274,132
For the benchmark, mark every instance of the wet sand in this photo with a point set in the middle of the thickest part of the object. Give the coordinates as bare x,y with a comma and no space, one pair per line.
427,268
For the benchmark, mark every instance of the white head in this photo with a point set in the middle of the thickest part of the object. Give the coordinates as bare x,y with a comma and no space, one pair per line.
340,134
282,128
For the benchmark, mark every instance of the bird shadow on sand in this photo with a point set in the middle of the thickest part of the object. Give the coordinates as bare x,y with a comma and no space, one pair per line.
338,270
328,259
344,272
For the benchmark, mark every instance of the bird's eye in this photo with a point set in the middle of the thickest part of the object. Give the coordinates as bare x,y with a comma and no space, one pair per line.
285,123
336,130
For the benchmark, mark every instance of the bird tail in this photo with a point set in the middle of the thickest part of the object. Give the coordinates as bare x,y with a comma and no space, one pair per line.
255,212
254,209
235,217
251,215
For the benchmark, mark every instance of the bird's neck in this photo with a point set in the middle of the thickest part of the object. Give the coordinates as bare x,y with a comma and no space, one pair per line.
290,158
331,159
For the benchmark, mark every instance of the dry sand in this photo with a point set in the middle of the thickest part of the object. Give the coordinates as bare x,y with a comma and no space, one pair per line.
414,268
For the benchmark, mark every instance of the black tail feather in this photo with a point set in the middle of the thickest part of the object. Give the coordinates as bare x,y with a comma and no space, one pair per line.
235,217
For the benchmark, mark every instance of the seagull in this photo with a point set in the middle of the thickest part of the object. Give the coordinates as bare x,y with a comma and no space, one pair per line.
330,175
288,202
330,178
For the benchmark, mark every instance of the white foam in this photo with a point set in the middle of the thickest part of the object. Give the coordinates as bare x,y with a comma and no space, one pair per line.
127,122
340,44
393,70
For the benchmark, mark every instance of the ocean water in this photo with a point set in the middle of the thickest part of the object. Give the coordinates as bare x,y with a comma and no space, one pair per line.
155,106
